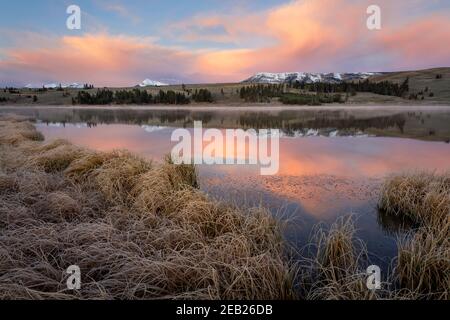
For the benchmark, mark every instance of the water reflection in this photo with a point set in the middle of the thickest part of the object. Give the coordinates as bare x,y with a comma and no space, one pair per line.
325,175
393,224
432,124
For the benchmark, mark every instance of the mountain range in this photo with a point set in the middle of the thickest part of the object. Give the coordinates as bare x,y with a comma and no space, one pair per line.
145,83
307,77
55,85
262,77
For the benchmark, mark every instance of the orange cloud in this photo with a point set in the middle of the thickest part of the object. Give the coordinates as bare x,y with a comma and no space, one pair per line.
328,36
419,42
101,58
235,29
306,32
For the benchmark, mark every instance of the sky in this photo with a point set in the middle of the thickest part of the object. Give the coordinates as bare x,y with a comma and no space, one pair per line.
121,43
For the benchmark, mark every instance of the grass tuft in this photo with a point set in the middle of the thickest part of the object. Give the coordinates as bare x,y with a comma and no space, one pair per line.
337,271
423,260
422,197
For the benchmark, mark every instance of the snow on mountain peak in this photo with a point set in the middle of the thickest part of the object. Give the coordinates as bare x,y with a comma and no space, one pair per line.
307,77
55,85
148,82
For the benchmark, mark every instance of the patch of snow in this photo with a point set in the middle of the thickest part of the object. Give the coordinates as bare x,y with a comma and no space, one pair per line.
151,129
312,132
54,86
153,83
307,77
333,133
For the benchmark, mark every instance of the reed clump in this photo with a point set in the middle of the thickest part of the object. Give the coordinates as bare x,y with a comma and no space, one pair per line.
136,229
422,265
423,262
423,197
337,269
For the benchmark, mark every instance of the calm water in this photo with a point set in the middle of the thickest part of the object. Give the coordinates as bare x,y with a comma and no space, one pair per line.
332,162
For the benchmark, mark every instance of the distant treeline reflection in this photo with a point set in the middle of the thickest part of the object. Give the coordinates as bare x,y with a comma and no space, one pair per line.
289,120
419,125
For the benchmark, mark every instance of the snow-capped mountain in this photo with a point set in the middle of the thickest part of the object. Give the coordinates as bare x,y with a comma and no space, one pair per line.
55,85
286,77
148,82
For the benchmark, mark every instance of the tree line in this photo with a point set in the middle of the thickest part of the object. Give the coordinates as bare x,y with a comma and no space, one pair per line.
386,88
321,92
265,92
202,95
11,90
261,92
310,99
137,96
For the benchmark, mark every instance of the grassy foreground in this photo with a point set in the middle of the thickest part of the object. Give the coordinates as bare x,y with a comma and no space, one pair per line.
140,230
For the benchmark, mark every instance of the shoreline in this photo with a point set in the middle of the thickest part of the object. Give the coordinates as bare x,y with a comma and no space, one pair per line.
225,107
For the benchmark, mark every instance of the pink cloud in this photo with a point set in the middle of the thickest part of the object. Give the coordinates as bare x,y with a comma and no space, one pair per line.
306,33
419,42
327,36
237,29
98,58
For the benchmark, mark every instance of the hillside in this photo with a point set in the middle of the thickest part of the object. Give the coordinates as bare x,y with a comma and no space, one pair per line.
419,80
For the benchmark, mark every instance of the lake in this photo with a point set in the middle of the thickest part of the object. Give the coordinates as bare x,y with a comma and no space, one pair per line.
332,161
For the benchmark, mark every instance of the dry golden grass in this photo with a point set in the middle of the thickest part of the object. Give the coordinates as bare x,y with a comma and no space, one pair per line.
15,132
337,271
423,261
54,159
117,176
422,197
137,230
82,167
335,248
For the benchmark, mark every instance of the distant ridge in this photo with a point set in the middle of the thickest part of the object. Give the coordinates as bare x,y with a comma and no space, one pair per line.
55,85
286,77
